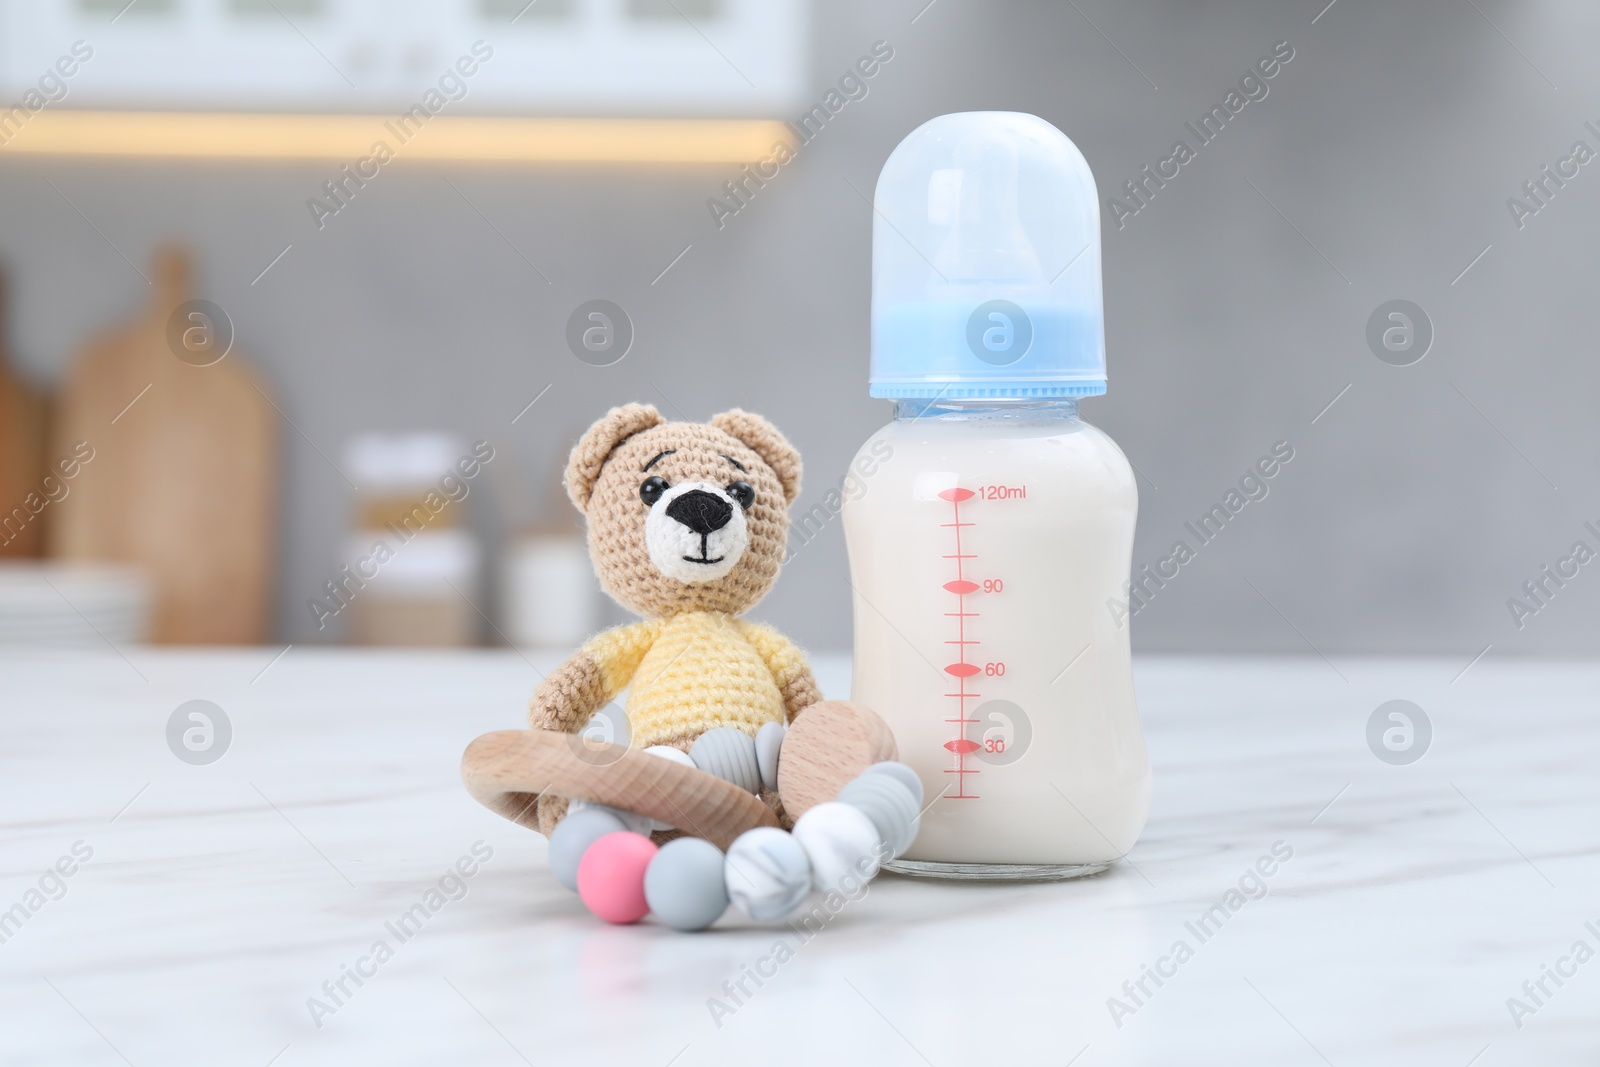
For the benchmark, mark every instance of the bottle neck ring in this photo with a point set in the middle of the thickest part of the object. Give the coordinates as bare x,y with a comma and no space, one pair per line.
1026,409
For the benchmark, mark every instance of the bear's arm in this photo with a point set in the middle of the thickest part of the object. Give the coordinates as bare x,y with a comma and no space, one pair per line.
590,678
787,664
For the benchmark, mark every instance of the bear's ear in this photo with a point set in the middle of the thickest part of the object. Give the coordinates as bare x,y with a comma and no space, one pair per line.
763,438
597,444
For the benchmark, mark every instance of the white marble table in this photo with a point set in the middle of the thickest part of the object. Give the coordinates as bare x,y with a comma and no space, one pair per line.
219,899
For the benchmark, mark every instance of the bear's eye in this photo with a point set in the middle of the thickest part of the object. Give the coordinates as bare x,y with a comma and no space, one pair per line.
651,488
743,494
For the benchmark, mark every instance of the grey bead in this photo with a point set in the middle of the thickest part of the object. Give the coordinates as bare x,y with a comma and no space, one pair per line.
684,884
901,773
728,753
631,821
885,800
769,740
572,837
767,873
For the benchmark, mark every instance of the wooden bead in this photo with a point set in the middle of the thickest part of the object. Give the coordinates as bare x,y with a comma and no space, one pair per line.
828,744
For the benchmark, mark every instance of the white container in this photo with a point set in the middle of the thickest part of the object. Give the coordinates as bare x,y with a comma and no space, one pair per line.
73,604
412,565
552,597
991,529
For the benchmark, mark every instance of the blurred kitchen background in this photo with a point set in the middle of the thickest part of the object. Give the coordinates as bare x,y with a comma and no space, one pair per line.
271,373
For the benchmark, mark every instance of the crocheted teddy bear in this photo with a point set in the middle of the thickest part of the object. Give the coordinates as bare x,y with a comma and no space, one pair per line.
687,525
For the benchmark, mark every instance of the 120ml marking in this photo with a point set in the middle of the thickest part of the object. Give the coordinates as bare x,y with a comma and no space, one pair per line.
1003,492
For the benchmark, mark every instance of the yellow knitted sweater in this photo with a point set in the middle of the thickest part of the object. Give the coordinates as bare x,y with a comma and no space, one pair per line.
693,672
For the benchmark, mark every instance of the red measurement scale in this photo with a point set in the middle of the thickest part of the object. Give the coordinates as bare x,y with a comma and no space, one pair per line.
961,746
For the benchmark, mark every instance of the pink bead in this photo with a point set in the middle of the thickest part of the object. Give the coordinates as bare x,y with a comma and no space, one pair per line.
611,876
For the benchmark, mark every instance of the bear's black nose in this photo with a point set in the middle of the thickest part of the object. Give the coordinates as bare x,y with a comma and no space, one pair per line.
701,511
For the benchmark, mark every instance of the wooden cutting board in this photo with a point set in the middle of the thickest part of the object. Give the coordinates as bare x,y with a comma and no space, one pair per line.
184,476
22,435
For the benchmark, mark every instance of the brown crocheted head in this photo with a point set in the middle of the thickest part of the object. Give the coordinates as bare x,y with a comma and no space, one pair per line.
684,516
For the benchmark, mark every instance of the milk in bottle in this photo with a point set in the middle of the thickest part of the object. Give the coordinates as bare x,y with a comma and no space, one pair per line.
990,544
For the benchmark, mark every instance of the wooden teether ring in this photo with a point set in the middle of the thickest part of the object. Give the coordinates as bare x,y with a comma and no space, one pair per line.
827,745
507,770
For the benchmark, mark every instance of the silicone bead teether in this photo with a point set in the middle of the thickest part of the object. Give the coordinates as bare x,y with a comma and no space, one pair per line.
889,804
611,877
769,741
841,844
728,753
902,773
767,874
684,884
572,837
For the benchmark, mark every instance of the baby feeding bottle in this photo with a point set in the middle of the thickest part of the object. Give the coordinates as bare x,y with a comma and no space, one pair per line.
990,529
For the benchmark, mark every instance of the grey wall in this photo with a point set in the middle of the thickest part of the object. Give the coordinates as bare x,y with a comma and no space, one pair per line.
1413,508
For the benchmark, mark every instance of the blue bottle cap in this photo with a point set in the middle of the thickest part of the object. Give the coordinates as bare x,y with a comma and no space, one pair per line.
986,263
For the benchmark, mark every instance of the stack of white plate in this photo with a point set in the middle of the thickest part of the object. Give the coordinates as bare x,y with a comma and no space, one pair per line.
53,604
